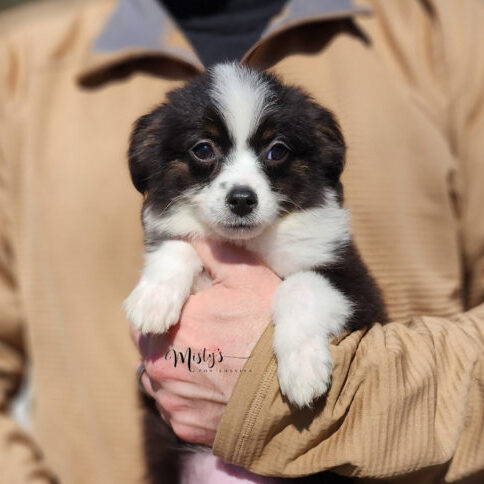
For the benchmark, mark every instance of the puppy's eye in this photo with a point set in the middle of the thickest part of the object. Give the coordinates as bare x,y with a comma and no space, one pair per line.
204,151
277,153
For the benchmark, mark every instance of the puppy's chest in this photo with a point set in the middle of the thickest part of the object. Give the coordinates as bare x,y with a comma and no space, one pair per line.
303,241
299,241
286,254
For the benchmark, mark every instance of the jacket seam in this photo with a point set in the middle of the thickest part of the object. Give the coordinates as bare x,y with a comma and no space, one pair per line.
253,414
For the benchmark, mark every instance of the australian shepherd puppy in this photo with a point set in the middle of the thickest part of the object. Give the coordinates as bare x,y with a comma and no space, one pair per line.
236,155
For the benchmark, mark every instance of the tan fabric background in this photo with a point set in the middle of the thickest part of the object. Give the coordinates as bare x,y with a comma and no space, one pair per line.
411,103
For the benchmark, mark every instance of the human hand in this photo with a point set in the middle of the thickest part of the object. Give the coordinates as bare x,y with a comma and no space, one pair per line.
225,319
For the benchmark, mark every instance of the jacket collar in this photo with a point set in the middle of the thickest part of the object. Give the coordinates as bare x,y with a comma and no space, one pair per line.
141,31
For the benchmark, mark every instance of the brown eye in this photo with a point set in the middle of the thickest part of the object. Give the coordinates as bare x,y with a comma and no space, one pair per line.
204,151
277,153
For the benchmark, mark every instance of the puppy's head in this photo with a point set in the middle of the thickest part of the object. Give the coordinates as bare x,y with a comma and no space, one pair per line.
232,151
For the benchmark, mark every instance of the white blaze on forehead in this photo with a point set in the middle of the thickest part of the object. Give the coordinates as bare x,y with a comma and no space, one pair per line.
242,96
242,168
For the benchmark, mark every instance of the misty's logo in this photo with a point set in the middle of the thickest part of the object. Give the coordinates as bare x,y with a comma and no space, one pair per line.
198,360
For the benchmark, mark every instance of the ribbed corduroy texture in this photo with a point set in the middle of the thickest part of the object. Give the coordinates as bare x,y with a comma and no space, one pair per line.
403,398
411,104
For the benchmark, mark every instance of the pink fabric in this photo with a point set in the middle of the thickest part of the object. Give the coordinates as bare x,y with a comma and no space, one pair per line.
201,467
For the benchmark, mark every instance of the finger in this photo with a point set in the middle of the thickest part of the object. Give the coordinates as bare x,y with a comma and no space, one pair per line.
148,385
135,335
192,434
162,413
153,346
203,390
223,261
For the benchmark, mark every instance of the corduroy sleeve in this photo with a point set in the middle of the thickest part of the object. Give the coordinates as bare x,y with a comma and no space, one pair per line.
20,458
404,397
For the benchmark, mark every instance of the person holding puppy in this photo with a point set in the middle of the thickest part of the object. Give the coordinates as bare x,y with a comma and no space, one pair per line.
405,80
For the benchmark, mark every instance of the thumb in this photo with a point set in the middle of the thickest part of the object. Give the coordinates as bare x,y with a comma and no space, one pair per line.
224,261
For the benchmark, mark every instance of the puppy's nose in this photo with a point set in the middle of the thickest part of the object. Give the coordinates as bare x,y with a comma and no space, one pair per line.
242,200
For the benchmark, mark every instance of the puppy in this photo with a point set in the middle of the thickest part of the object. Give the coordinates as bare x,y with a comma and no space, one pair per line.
237,156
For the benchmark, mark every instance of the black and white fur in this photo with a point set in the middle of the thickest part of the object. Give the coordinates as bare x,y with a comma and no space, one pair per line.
285,154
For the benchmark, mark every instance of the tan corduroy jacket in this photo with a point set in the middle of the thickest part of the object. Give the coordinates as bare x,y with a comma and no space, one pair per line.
406,80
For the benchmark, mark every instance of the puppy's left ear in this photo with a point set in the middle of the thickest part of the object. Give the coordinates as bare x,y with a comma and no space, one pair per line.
332,141
145,148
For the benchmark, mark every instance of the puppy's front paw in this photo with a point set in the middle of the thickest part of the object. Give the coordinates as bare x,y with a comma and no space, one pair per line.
155,307
304,372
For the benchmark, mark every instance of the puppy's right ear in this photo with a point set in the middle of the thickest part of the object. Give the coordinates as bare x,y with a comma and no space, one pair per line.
145,148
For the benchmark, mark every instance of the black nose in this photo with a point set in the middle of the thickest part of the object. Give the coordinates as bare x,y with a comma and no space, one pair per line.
242,200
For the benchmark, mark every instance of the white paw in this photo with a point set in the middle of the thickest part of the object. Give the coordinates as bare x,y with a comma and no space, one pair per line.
305,372
155,307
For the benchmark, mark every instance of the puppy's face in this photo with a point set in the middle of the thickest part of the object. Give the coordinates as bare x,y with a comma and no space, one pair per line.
231,152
